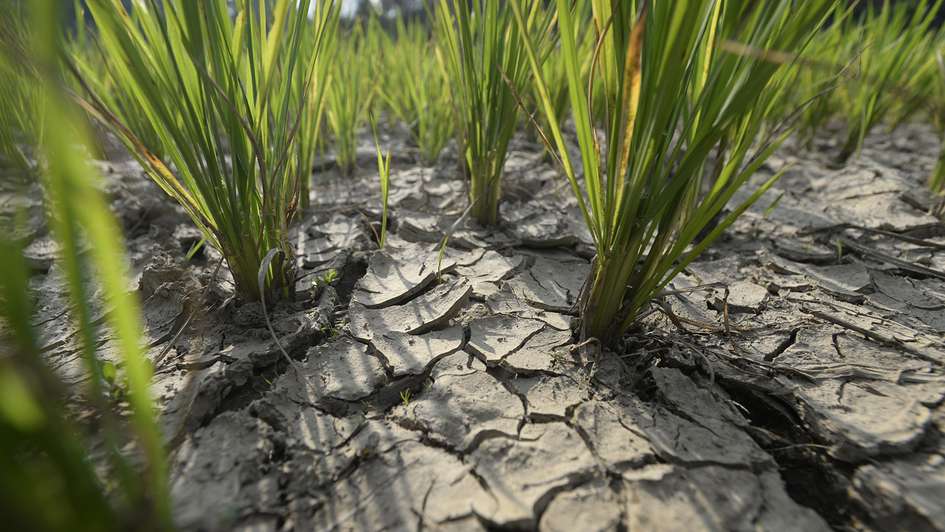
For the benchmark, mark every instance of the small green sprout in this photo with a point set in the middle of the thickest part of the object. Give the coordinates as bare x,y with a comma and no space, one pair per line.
383,173
330,276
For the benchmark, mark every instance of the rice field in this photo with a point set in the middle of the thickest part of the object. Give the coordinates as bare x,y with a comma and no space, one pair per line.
472,265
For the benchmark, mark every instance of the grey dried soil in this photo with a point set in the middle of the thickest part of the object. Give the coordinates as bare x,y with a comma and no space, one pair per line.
802,390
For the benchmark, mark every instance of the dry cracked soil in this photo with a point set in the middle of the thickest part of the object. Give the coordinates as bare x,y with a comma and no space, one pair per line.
791,379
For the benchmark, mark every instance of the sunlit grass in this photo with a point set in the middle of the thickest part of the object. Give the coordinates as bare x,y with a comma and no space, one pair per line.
673,97
225,100
351,93
875,68
488,72
19,124
415,88
893,47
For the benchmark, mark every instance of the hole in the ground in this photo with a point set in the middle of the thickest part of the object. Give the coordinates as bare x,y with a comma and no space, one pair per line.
354,269
811,477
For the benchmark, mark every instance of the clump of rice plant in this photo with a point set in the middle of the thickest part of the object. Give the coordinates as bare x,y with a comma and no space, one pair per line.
350,95
886,49
488,72
18,121
679,138
46,475
223,100
415,89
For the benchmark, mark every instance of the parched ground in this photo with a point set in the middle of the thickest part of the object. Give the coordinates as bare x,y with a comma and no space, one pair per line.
792,379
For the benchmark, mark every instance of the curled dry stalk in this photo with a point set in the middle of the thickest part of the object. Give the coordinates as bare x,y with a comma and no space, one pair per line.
650,190
230,103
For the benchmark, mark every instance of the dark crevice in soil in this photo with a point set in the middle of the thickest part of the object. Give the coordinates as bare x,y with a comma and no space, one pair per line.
783,346
811,477
261,377
256,386
355,267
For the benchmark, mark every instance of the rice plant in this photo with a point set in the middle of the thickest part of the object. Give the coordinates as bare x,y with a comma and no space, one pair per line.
383,173
225,100
350,95
674,98
893,44
415,89
18,121
46,474
488,71
555,70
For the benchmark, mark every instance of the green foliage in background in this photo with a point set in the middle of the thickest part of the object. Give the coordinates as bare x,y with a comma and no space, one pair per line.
414,87
876,67
351,93
19,119
892,45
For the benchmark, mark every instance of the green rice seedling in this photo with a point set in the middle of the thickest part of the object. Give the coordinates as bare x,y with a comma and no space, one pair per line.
415,89
350,95
894,44
488,72
674,98
226,99
383,173
46,476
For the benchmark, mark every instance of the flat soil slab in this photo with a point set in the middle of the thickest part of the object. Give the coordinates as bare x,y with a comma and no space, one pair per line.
793,380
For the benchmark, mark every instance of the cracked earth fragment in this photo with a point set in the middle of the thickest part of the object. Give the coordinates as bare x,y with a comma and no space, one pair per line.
424,313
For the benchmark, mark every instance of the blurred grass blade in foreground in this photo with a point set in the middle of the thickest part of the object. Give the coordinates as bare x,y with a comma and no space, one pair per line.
47,480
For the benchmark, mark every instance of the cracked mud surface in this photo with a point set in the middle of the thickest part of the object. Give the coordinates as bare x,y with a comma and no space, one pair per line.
792,380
